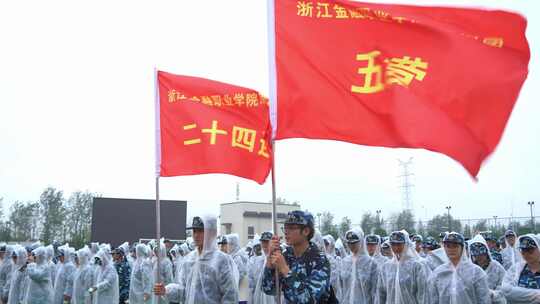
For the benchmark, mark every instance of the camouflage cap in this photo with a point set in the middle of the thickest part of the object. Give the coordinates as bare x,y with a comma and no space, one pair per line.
351,237
477,249
397,237
299,217
527,242
454,237
222,240
509,233
197,223
372,239
266,236
430,242
417,238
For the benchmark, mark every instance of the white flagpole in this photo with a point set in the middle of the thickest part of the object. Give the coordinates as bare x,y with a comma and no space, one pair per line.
273,111
158,164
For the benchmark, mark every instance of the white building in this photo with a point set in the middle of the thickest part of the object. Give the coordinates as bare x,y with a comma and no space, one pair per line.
250,218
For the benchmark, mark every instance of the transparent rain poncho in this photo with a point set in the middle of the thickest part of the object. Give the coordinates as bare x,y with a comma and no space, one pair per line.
358,274
513,292
5,273
106,281
495,272
19,277
165,269
403,279
50,255
256,273
511,254
465,283
84,277
206,275
340,248
39,274
125,249
63,283
238,255
377,256
141,276
335,265
436,258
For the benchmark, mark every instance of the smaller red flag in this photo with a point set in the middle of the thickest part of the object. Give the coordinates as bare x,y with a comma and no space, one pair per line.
207,126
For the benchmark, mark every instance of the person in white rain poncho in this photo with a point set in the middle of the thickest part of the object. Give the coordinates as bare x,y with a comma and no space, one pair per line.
359,270
386,250
39,274
256,271
165,269
5,273
83,278
19,276
140,288
207,273
402,280
521,283
481,256
239,257
458,281
340,249
335,265
436,257
63,283
50,255
417,241
510,254
105,290
373,243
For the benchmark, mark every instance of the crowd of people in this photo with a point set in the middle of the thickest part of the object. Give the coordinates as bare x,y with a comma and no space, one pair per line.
303,267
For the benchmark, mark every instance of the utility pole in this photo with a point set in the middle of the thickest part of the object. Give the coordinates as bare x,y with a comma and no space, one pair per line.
495,223
533,224
319,217
449,222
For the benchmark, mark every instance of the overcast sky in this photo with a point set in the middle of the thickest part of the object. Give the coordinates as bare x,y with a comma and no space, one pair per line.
77,113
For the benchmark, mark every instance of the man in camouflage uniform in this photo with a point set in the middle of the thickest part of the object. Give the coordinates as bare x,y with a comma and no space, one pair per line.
304,271
124,274
492,244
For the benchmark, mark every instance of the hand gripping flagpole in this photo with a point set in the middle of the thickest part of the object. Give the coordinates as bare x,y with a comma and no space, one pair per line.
158,164
273,108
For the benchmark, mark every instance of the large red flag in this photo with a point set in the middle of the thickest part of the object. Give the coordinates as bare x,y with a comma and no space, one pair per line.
438,78
207,126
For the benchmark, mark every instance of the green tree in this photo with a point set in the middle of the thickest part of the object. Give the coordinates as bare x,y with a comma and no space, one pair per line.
52,211
368,223
21,219
379,226
480,226
79,217
439,223
327,225
344,226
404,220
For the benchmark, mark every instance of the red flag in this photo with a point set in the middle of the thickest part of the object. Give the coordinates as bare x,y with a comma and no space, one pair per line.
442,79
207,126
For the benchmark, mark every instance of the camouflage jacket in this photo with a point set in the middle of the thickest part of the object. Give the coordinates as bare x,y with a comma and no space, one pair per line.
124,275
497,256
308,280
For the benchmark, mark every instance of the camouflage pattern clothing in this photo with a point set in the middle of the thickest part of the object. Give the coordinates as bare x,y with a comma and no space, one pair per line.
308,280
124,275
528,279
496,255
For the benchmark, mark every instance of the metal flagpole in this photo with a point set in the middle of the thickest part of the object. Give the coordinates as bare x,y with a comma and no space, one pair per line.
158,160
274,219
